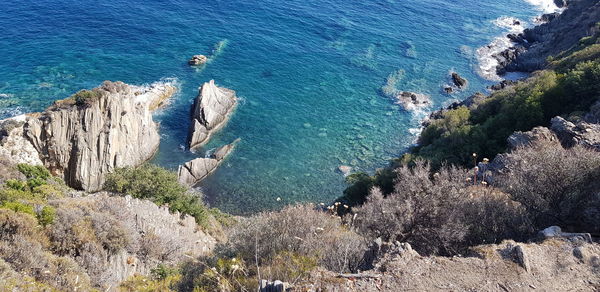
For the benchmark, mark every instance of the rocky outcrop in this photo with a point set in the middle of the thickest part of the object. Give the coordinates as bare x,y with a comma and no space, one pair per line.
556,232
194,171
582,133
503,84
531,138
535,45
412,101
459,81
86,136
198,60
210,111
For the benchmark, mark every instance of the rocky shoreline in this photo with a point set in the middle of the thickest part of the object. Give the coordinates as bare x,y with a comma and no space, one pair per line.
534,46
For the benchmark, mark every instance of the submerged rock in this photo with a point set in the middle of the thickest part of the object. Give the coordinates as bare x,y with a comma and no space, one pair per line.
198,60
345,170
192,172
86,136
210,111
412,101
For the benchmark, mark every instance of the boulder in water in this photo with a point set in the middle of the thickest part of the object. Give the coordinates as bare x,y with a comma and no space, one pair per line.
458,80
198,60
412,101
194,171
210,111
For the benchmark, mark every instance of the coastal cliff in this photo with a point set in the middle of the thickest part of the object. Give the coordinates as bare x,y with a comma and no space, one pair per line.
210,111
533,47
86,136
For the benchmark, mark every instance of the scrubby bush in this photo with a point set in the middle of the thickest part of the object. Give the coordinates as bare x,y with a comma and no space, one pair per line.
161,187
439,213
302,230
85,96
33,171
557,186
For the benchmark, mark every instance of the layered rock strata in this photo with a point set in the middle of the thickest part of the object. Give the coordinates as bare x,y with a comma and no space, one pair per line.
192,172
210,111
86,136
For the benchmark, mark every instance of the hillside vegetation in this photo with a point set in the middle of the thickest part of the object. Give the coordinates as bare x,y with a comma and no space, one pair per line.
567,88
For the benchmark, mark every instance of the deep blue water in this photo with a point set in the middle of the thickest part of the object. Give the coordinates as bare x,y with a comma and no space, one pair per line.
308,73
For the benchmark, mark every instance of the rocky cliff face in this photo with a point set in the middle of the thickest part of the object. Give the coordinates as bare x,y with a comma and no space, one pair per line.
562,32
210,111
84,137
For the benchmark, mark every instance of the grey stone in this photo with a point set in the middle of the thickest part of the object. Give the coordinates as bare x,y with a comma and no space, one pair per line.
82,142
530,138
458,80
556,232
194,171
210,111
198,60
521,257
582,133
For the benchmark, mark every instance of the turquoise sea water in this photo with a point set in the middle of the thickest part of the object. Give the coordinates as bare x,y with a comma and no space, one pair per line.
309,74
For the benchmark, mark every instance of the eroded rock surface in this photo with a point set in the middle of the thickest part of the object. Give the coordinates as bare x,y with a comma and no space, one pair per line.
198,169
210,111
84,137
582,133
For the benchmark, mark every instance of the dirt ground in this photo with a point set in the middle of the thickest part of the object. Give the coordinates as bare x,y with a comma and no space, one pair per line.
553,265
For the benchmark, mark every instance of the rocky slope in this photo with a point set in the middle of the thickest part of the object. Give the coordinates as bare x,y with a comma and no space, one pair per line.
534,46
84,137
552,265
210,111
154,236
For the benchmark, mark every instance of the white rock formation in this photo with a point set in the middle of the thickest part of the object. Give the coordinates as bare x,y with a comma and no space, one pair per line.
210,111
198,169
84,140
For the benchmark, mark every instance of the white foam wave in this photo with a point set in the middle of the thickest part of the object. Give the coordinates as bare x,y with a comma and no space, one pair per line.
485,55
546,6
13,113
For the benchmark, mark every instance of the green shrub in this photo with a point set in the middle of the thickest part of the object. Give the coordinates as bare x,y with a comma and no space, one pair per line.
19,207
34,171
159,186
46,216
85,96
16,185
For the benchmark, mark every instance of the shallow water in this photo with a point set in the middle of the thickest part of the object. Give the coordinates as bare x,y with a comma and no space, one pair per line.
309,75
